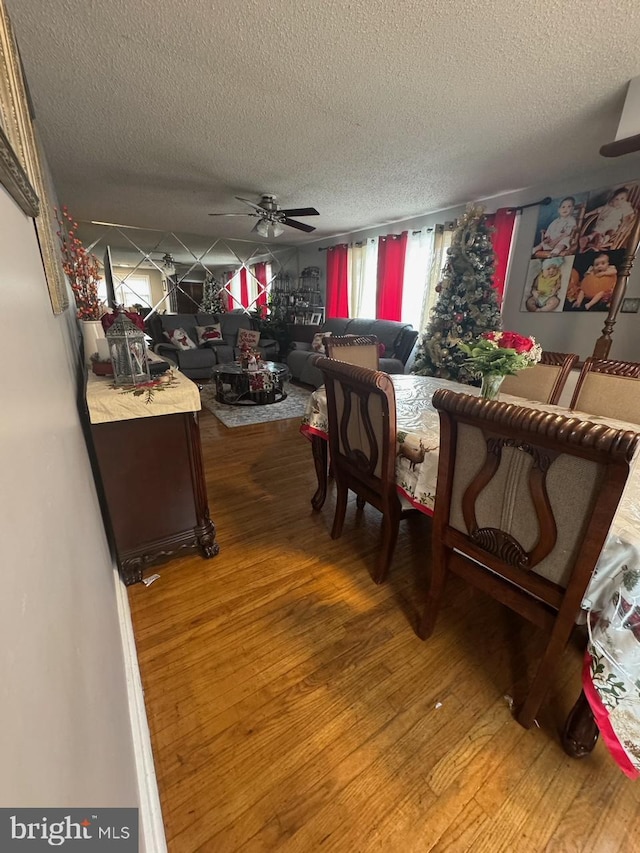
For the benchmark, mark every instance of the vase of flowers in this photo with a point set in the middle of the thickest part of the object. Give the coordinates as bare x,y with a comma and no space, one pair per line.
499,354
83,271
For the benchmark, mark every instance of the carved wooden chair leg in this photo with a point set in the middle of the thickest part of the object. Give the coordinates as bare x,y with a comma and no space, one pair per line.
390,525
436,588
342,493
547,666
319,451
360,502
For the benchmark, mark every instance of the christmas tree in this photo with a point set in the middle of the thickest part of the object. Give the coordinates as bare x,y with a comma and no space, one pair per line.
467,303
213,301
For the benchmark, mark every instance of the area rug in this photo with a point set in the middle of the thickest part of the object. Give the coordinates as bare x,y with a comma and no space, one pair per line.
236,416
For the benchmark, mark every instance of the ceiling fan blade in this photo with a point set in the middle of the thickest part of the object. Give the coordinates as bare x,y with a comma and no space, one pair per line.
300,211
250,203
301,226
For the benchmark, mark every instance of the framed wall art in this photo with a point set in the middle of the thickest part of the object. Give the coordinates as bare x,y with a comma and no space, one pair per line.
579,250
22,169
630,306
14,179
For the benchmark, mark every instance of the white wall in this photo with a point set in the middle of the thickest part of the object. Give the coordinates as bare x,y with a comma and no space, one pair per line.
557,332
65,732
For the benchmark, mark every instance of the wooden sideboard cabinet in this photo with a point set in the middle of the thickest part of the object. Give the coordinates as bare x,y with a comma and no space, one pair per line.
150,465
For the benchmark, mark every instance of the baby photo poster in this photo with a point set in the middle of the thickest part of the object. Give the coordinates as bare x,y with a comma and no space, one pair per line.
578,249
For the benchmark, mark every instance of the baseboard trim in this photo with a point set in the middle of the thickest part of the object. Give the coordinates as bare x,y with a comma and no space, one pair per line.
151,825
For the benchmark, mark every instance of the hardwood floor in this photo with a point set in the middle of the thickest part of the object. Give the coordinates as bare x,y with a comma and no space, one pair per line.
293,708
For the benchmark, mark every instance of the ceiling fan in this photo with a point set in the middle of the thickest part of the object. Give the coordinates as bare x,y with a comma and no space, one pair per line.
271,217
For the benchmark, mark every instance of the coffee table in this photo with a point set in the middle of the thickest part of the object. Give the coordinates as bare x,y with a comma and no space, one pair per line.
237,386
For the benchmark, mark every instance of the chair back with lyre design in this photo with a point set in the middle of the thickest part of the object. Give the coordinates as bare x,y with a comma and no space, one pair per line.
361,350
361,408
524,503
609,388
543,381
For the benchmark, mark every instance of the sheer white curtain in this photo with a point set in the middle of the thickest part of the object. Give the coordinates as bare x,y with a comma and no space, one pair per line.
441,242
255,289
234,287
417,265
363,275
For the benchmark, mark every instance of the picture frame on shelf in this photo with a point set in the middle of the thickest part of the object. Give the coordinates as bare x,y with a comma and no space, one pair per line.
19,138
630,306
315,319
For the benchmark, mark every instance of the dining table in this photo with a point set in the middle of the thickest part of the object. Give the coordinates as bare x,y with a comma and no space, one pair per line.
610,609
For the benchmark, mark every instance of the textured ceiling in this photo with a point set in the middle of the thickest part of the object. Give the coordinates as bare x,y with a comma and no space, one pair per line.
154,112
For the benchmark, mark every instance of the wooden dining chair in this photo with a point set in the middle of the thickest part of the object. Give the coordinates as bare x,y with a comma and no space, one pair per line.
361,350
524,503
361,409
609,388
544,381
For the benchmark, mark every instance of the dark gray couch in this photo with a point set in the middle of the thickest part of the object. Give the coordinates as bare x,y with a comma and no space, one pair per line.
197,363
398,339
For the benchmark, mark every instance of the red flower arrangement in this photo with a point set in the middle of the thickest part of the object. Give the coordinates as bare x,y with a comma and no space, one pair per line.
511,340
80,266
501,353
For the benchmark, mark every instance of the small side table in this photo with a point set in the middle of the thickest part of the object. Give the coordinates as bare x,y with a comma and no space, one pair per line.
237,386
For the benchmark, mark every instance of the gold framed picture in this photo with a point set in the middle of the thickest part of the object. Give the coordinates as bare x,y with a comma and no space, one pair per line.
21,166
14,179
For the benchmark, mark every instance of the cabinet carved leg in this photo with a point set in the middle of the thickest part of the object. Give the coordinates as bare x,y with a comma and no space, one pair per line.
319,450
132,570
206,539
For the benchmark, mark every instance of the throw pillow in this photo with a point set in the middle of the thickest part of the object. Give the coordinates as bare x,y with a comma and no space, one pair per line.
180,339
381,350
317,344
208,333
247,337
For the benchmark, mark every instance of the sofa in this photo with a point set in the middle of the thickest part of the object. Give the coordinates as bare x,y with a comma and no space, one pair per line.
197,363
398,340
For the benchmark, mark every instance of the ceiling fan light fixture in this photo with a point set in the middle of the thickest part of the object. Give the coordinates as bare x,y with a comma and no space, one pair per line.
262,228
266,228
168,265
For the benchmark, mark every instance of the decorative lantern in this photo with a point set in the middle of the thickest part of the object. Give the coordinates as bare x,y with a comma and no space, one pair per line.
128,351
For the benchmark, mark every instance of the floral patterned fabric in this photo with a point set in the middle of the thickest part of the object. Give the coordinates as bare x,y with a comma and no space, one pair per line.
611,605
167,394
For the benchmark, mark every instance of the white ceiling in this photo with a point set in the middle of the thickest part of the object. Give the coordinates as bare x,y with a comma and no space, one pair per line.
155,112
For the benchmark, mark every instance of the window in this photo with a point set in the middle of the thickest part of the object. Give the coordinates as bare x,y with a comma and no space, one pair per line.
130,290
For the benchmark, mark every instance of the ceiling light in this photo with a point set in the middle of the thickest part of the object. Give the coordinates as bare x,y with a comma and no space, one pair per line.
168,265
268,229
262,228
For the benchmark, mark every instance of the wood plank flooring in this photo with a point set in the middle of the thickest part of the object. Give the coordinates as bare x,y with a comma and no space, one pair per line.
293,708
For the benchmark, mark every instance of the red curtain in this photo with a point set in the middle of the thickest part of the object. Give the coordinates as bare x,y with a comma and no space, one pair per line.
391,254
337,281
244,288
503,222
260,272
